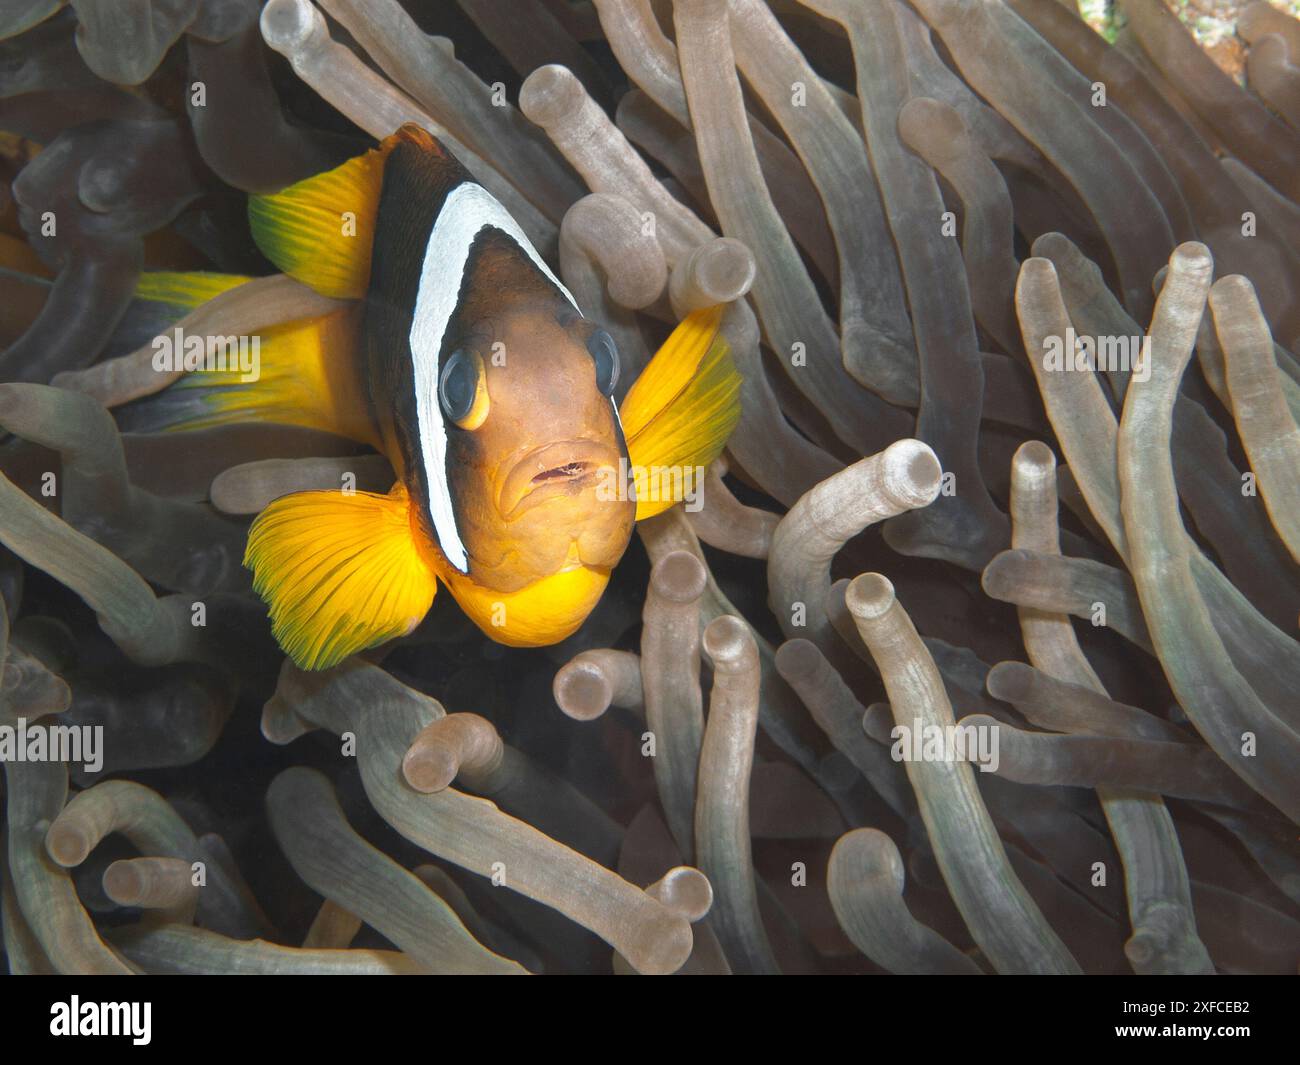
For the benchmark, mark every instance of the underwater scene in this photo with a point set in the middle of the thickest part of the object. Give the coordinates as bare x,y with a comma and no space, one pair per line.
611,487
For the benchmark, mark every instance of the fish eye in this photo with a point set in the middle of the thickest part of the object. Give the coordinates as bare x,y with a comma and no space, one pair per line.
604,353
462,389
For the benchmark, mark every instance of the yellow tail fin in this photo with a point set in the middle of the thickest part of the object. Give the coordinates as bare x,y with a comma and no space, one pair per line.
339,571
185,290
679,413
306,373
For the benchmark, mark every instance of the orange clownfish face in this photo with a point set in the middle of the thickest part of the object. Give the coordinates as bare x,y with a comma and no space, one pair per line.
534,445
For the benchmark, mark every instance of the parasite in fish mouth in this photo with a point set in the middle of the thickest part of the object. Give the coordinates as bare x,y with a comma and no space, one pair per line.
572,469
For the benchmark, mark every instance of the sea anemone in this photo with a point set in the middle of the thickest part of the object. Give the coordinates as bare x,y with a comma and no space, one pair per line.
871,700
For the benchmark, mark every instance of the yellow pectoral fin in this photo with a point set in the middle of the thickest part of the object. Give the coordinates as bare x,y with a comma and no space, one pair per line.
320,230
679,413
339,571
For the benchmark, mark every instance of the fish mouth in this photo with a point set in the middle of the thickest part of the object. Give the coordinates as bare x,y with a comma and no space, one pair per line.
561,469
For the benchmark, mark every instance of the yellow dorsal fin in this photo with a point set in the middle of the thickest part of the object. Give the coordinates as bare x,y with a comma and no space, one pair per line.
320,230
339,571
679,413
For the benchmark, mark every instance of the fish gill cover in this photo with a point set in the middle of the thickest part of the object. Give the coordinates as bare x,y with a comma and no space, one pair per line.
974,651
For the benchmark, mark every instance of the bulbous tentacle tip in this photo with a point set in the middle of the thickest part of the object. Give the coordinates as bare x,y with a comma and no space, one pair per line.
997,576
123,883
870,853
935,127
1008,681
550,93
1037,269
68,844
1034,459
1192,255
869,596
1234,286
684,890
288,24
725,268
727,640
797,658
428,769
912,472
582,691
679,577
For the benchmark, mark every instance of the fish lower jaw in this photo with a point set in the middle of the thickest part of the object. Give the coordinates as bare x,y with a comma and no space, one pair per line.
572,561
550,491
507,579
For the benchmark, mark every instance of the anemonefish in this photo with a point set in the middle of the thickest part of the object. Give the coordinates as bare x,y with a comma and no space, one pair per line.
466,362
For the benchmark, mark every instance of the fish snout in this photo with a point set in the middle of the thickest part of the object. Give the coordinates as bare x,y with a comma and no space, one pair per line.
556,470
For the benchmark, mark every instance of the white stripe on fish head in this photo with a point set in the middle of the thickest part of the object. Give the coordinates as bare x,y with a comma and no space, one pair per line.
467,210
